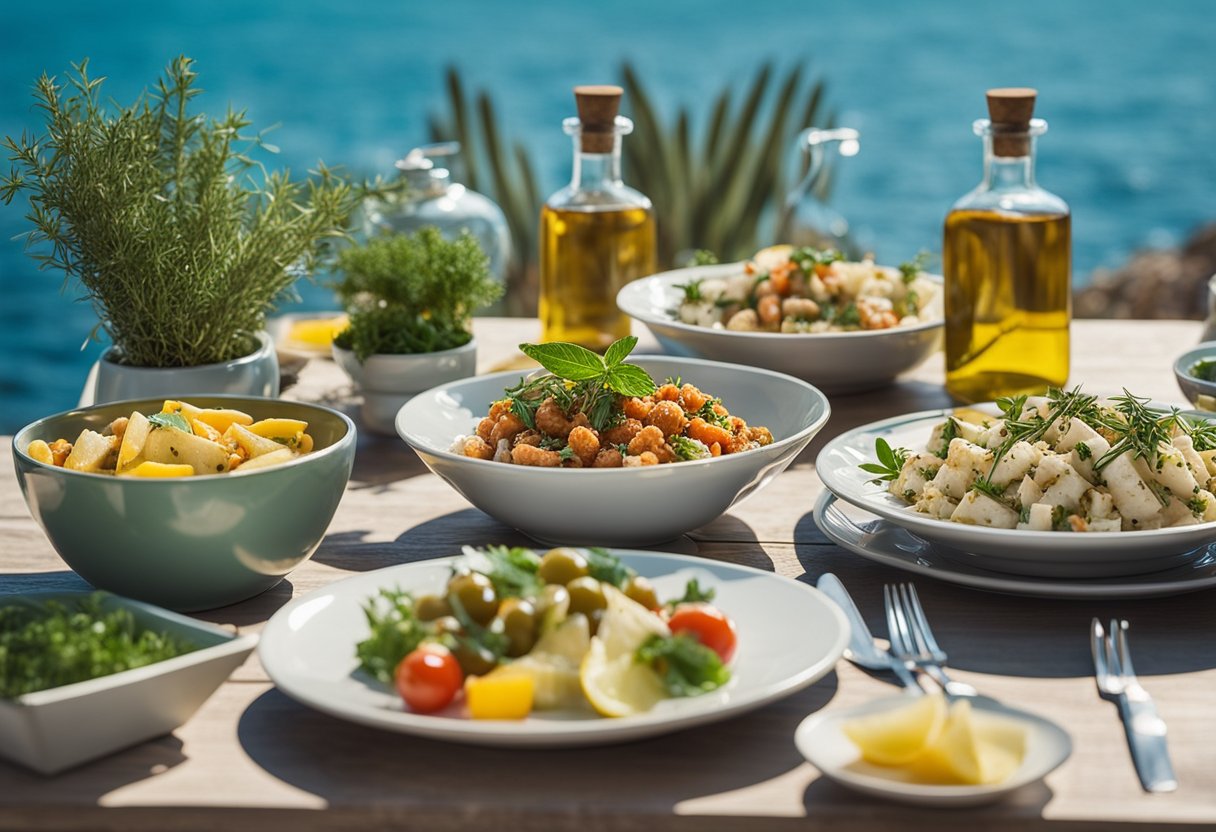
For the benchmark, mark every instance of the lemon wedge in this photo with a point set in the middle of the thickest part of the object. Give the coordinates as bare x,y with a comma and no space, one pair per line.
316,332
973,749
897,736
613,682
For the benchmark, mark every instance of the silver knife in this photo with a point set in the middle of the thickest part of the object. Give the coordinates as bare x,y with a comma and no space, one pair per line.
862,650
1144,727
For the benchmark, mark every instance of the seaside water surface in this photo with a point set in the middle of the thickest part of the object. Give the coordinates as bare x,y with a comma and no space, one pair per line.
1128,89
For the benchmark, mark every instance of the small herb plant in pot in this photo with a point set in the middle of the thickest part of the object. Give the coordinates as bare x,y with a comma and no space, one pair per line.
179,239
410,299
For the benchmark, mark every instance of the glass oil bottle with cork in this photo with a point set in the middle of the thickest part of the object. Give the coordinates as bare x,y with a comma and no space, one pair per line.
1007,266
596,234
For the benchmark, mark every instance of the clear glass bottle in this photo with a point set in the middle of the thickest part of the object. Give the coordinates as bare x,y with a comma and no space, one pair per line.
429,195
806,219
1007,266
596,234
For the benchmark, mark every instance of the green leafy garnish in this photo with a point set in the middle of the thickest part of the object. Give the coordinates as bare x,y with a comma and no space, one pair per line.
568,361
703,257
1198,505
890,462
474,634
911,269
693,594
949,433
512,571
712,416
687,666
170,420
807,258
607,567
1083,451
46,644
395,633
1141,429
688,449
692,290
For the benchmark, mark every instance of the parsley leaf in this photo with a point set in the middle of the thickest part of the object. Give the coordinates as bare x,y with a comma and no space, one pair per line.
687,666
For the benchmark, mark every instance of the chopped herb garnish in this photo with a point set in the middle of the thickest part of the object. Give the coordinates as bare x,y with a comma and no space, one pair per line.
607,567
890,462
687,666
170,420
688,449
1083,451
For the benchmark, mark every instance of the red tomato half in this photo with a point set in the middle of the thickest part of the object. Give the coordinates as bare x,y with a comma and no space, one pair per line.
709,625
429,678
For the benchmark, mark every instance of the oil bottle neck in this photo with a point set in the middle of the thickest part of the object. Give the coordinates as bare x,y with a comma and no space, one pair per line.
1008,172
596,171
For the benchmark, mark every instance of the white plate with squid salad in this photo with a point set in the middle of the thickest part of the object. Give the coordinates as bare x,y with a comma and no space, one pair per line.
877,326
1037,489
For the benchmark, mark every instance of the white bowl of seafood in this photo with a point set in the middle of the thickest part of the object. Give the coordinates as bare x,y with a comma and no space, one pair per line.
1068,485
600,450
843,326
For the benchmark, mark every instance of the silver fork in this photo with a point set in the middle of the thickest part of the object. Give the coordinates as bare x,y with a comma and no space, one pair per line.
912,640
1144,727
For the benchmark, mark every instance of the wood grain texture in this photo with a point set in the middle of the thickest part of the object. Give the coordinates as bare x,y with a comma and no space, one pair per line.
252,758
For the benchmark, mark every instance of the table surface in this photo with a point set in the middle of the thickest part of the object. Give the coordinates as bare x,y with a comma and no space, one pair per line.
253,757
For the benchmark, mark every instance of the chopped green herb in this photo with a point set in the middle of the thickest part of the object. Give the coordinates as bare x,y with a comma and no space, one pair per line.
687,666
693,594
911,269
395,632
688,449
692,290
171,420
890,462
1083,451
607,567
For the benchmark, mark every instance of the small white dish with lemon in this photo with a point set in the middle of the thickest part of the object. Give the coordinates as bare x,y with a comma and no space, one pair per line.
933,750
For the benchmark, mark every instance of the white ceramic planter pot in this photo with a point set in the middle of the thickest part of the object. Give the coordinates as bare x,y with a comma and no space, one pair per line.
389,381
257,374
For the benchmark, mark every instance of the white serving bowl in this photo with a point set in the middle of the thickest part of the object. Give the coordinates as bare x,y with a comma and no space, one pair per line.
55,729
617,506
836,362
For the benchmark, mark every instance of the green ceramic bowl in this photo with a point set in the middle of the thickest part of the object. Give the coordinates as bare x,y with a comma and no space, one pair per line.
188,543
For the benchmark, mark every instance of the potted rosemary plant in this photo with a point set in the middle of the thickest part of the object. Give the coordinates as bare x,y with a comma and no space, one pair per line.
410,299
157,214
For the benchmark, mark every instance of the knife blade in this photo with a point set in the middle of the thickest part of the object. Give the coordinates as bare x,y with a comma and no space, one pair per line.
862,649
1146,738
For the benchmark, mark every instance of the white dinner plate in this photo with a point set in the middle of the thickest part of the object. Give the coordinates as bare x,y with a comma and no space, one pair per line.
835,362
1020,552
790,635
823,743
888,543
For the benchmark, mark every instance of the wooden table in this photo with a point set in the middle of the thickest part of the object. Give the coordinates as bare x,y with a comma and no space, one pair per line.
254,758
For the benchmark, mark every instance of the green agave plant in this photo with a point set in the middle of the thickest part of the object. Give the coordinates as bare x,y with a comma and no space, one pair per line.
720,193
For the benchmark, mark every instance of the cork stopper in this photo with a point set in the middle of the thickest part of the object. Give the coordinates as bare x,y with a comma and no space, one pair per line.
1010,110
598,106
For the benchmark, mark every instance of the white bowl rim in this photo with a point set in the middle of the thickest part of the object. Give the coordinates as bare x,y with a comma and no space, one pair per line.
647,317
1185,362
347,438
467,346
912,520
530,470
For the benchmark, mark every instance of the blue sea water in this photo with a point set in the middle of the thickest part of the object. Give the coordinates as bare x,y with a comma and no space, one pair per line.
1129,89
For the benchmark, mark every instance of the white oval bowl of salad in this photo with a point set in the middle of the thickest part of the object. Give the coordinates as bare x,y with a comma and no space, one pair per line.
870,324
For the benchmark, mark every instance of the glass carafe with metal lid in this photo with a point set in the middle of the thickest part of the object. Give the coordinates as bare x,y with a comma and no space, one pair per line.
428,195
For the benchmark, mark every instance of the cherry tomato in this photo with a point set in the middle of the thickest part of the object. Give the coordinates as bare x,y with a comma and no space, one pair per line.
709,625
428,678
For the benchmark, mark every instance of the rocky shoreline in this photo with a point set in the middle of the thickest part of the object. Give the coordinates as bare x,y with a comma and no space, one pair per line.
1155,283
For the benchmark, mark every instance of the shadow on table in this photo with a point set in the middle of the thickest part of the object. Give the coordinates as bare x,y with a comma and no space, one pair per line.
255,610
349,764
383,460
1019,635
444,535
1022,806
89,783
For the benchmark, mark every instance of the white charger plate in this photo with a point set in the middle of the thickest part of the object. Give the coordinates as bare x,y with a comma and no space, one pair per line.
836,362
823,743
888,543
790,635
1020,552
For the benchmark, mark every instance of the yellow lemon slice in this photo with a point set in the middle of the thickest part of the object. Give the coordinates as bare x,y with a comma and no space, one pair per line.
899,735
613,682
973,749
316,332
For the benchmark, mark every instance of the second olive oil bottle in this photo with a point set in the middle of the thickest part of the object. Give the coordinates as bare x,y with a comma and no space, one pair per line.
1007,266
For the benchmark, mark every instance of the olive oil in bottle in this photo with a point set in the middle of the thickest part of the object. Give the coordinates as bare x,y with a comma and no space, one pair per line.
1007,266
596,234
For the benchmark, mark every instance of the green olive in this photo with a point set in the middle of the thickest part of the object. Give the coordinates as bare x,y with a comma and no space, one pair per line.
474,660
430,607
476,594
519,619
447,625
641,590
561,566
586,596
